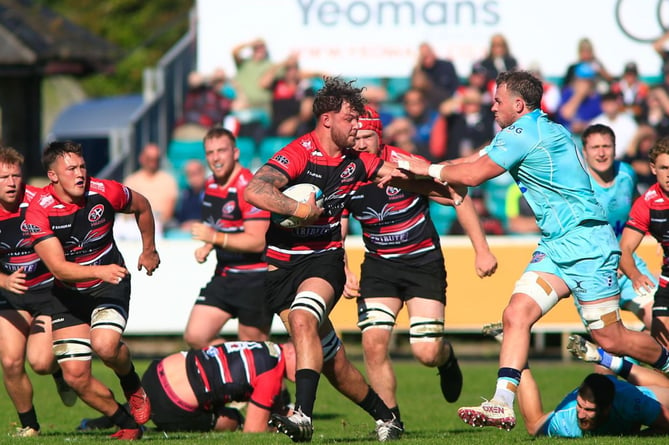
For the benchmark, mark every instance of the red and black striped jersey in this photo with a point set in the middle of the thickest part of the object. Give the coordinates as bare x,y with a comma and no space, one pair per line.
85,231
236,371
303,161
225,209
396,223
650,214
16,246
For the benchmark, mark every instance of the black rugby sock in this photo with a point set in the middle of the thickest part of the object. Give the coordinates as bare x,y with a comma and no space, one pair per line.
373,404
29,418
123,419
129,382
306,381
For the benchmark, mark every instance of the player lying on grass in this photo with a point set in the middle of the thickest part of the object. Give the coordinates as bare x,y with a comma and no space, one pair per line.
602,405
189,391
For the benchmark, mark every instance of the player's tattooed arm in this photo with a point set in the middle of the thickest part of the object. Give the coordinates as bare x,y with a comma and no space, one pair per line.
263,191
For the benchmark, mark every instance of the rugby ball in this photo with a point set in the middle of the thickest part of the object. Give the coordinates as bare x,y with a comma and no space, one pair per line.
300,193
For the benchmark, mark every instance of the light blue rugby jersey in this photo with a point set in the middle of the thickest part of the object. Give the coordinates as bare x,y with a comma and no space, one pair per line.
617,199
633,407
543,159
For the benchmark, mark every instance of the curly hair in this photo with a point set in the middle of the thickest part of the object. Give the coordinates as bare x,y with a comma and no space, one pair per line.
334,93
660,147
55,149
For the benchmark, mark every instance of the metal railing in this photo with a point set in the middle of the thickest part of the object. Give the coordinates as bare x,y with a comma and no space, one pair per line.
164,90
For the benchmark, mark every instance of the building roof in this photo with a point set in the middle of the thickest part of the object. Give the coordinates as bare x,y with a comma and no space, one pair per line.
96,117
35,36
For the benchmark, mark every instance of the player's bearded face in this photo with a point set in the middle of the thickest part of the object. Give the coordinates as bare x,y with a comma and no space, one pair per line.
344,126
503,107
221,156
589,417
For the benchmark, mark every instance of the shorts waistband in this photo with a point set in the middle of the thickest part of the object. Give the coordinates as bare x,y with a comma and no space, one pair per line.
170,391
591,223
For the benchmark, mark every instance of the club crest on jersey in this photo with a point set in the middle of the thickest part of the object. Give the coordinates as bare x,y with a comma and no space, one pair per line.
96,213
537,257
348,171
228,208
212,351
281,159
31,228
392,191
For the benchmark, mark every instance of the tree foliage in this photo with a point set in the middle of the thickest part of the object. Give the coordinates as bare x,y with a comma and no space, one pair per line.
143,30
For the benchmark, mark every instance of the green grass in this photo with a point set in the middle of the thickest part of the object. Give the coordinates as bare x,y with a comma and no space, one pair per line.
427,417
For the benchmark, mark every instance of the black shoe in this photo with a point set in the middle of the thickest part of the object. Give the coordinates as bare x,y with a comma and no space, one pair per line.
450,378
99,423
296,426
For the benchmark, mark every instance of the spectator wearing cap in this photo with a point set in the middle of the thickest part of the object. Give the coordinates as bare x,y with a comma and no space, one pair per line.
632,90
580,102
621,121
434,76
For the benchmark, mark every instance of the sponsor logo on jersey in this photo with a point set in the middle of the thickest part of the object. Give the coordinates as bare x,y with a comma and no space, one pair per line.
96,213
98,185
514,129
311,231
338,194
314,174
281,159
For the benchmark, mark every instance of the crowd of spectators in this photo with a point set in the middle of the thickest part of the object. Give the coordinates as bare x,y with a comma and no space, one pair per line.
440,115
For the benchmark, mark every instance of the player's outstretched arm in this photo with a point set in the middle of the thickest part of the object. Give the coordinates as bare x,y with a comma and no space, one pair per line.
393,174
141,208
529,402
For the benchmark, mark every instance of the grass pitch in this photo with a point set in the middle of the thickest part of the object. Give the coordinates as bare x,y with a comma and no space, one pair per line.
427,417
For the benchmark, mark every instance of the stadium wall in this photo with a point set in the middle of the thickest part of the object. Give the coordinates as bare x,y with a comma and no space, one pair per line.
161,304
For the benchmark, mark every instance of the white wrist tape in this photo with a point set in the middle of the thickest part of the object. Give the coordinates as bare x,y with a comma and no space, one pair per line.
434,170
